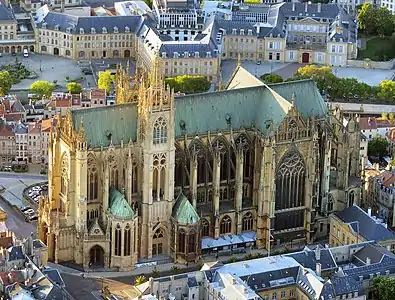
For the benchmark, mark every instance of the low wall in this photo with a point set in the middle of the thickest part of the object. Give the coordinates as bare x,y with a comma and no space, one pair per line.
370,64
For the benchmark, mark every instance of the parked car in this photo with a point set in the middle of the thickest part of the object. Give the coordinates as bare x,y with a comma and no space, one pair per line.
33,218
23,209
29,211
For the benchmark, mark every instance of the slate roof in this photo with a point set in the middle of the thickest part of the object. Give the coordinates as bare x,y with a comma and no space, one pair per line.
183,211
308,259
329,11
117,123
15,253
61,21
5,13
119,206
365,225
54,276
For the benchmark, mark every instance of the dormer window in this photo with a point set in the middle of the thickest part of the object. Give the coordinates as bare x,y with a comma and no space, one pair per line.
241,31
196,54
208,54
44,25
175,55
234,31
163,54
82,31
249,31
115,29
57,27
186,54
68,30
93,30
127,29
104,30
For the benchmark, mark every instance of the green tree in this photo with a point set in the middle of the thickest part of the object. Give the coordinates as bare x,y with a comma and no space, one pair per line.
139,280
5,83
391,116
378,147
74,88
189,84
384,116
384,288
105,80
42,88
385,22
367,18
386,90
323,76
271,78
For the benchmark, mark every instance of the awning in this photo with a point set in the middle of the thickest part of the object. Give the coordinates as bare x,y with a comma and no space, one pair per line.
229,240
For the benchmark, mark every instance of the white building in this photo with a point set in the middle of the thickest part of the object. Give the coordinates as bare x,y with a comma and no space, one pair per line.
371,127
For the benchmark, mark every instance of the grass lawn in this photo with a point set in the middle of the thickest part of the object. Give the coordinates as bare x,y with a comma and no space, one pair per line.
378,49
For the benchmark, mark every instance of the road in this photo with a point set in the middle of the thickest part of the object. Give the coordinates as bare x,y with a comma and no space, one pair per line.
20,176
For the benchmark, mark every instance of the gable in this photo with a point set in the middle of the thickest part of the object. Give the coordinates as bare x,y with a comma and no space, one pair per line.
95,229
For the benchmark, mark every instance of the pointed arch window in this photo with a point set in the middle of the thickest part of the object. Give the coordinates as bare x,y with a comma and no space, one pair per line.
160,131
290,181
118,240
113,169
351,198
181,241
126,251
157,242
226,225
93,178
205,228
330,203
64,175
192,241
248,222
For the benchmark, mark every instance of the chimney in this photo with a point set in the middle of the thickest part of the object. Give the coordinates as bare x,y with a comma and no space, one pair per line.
318,269
368,261
319,7
369,212
306,6
317,253
293,6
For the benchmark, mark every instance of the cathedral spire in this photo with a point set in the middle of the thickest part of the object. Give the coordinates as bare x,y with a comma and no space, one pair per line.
293,99
156,74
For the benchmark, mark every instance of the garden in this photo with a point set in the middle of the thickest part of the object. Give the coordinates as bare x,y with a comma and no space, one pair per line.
18,72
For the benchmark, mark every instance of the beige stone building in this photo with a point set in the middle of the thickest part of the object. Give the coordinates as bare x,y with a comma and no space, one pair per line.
164,178
353,225
7,145
34,147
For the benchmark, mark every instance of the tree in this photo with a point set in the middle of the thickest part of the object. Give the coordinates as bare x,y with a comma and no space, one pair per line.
386,90
74,88
5,83
188,84
139,280
271,78
384,288
42,88
384,116
323,76
105,80
391,116
378,147
384,21
367,18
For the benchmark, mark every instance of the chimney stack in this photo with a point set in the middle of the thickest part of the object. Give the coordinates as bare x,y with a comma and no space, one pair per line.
319,7
293,6
306,6
317,253
368,261
318,269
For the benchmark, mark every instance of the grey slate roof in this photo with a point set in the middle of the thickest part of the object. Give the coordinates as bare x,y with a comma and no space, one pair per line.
329,11
307,259
361,222
61,22
5,13
16,253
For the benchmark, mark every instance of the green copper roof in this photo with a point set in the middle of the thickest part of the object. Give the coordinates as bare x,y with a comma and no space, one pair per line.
119,207
256,106
183,211
104,124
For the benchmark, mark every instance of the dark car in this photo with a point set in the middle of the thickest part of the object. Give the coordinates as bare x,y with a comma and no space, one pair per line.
23,209
13,54
87,72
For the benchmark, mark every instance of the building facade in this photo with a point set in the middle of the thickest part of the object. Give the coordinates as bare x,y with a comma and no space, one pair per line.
151,180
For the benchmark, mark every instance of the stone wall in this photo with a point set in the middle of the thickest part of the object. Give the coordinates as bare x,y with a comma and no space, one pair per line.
370,64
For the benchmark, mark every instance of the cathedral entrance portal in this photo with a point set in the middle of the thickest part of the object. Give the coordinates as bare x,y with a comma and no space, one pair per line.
96,256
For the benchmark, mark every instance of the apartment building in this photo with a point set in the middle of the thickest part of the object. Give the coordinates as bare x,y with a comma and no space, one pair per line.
21,142
371,127
343,272
34,146
7,144
15,35
354,225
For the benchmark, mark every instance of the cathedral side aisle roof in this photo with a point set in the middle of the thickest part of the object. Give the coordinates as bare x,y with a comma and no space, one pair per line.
183,211
119,207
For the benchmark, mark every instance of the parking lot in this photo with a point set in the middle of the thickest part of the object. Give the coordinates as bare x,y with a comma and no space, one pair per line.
35,194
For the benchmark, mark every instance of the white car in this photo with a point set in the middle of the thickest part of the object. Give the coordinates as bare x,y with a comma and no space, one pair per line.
29,212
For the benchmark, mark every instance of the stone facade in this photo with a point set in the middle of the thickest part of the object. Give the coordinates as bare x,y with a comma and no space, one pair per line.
178,171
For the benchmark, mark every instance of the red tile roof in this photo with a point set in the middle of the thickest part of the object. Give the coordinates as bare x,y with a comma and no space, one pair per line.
367,123
6,130
13,117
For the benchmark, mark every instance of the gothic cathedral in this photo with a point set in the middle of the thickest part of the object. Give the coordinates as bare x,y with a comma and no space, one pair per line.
165,177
